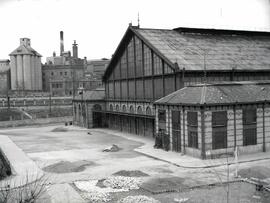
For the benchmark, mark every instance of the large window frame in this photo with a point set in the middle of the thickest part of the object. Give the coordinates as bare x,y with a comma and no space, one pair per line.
219,130
192,124
249,126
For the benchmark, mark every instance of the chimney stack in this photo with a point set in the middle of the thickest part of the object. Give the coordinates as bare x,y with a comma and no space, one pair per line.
61,43
75,49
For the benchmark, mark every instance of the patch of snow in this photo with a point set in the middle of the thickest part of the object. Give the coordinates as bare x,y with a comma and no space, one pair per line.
113,184
138,199
181,199
122,182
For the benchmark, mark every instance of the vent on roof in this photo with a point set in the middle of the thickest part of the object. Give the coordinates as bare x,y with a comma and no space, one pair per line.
19,50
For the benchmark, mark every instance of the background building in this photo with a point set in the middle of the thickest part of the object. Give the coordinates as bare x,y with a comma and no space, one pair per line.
25,66
4,76
96,68
63,75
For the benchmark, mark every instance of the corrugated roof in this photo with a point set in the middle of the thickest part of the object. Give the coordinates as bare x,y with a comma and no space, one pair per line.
25,50
222,93
97,94
242,51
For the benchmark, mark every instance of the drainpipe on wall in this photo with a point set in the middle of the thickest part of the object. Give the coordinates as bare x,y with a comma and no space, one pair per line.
263,107
184,132
203,131
234,125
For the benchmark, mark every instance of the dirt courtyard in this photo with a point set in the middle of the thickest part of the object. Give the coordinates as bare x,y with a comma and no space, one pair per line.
73,155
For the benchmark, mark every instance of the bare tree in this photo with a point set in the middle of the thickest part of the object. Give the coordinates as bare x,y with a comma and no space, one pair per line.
31,189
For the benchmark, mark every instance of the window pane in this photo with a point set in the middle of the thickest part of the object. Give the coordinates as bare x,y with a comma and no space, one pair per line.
249,135
139,85
148,89
219,137
131,67
157,65
169,84
124,65
139,64
219,118
192,118
131,89
158,82
249,116
124,89
192,138
147,61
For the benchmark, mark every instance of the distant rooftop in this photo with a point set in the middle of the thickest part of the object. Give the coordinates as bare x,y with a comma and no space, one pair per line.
97,94
25,48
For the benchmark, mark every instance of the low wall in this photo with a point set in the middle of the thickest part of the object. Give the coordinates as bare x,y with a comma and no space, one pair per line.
39,121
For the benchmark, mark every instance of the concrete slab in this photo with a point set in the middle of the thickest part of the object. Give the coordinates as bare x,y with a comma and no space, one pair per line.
60,193
24,169
179,159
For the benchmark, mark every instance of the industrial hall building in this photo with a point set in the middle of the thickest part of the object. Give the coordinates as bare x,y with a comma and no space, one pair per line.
175,81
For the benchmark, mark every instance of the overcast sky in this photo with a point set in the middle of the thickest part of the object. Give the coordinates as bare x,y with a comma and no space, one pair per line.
99,25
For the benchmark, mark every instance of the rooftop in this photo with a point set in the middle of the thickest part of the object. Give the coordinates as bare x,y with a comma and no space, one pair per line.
222,49
219,93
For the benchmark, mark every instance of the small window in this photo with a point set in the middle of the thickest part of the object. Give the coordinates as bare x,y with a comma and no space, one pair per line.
51,73
61,73
65,73
192,122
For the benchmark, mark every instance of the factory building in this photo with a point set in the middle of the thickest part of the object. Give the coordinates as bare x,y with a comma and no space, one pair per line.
25,66
150,65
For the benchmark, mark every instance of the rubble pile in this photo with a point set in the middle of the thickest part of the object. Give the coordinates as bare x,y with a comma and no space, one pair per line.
92,192
138,199
113,148
122,182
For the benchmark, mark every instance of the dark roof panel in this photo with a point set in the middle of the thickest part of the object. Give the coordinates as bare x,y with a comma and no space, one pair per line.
222,93
221,51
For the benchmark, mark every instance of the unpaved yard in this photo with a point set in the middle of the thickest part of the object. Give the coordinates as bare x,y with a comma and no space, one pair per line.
70,155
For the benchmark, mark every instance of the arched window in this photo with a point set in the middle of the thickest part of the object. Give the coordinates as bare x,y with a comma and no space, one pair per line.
124,108
139,110
111,107
131,109
117,107
97,107
148,111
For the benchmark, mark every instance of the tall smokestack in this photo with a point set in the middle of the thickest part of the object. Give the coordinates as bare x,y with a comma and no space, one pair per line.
61,43
75,49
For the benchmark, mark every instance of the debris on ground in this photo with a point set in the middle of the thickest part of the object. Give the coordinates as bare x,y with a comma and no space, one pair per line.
68,167
135,173
89,133
59,129
121,182
181,200
113,148
138,199
91,191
